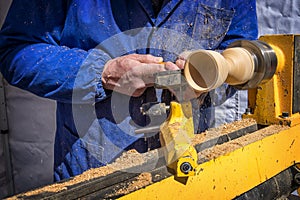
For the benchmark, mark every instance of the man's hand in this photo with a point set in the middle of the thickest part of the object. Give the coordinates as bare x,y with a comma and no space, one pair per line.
132,74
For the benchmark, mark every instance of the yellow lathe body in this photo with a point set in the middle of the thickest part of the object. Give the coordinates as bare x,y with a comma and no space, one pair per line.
231,175
274,102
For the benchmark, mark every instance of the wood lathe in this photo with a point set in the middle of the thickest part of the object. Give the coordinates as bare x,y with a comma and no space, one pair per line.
255,158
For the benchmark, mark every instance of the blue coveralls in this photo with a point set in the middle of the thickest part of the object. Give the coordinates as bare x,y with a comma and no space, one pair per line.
57,49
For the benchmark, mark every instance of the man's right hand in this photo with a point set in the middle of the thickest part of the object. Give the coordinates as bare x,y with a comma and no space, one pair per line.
132,74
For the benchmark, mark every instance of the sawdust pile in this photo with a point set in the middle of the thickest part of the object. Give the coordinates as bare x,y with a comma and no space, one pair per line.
58,187
218,150
222,130
139,182
126,160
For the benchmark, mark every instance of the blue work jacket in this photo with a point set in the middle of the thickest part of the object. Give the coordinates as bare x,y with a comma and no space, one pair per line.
57,49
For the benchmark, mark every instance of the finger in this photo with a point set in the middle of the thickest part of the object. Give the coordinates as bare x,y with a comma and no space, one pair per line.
136,88
147,72
150,69
147,58
127,63
171,66
138,92
180,63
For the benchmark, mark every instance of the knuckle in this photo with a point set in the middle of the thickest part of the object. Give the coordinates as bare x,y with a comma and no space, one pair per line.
148,57
134,56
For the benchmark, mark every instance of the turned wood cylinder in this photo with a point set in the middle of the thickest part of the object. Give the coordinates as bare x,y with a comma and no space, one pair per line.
244,64
206,70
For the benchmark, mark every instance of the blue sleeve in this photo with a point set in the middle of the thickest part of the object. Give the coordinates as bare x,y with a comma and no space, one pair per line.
32,58
244,23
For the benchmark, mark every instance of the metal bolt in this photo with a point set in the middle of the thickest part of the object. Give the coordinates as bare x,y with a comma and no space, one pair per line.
297,178
186,167
285,114
248,111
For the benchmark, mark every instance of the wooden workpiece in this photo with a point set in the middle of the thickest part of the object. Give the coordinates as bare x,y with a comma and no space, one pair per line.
206,70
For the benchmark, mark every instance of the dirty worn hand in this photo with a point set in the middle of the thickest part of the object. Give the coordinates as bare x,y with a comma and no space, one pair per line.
132,74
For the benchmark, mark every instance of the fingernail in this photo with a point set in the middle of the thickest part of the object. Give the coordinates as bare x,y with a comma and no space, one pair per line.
159,59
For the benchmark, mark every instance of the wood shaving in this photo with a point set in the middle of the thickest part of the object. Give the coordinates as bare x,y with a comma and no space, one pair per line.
141,181
222,130
126,160
218,150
